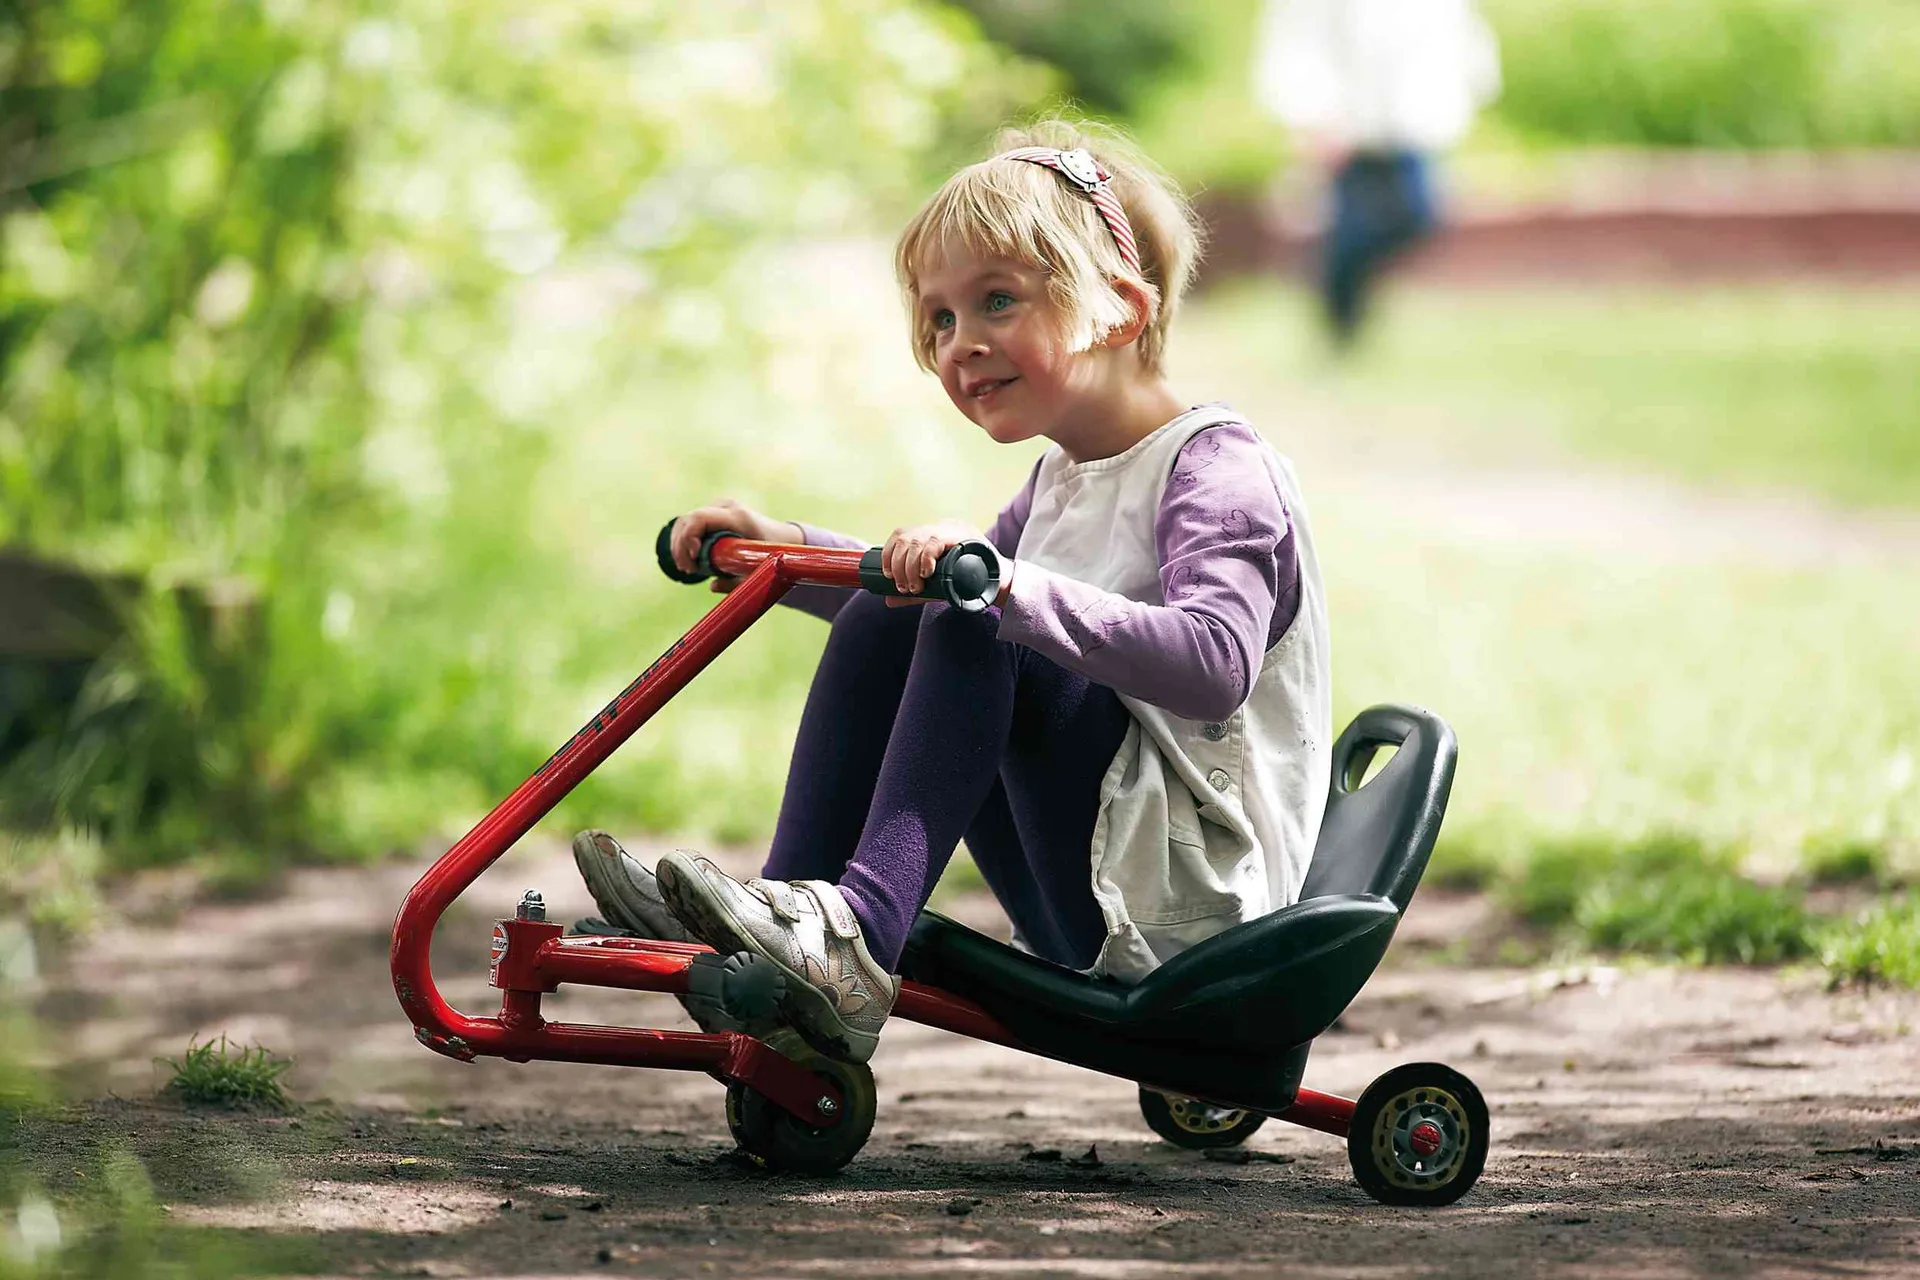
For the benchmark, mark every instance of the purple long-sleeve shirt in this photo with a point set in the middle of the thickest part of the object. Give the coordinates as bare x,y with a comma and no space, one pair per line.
1229,573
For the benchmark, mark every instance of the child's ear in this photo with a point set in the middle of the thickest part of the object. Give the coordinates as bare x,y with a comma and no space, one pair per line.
1139,314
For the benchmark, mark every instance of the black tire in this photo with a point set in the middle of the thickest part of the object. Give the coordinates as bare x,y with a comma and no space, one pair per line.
779,1140
1195,1125
1402,1111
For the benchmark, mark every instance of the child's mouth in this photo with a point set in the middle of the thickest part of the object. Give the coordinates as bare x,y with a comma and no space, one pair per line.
986,389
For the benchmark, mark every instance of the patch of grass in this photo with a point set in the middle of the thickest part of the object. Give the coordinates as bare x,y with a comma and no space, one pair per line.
1557,876
54,875
1843,860
1470,854
961,876
1709,73
1745,706
217,1073
1803,387
1881,944
1663,895
1707,918
1667,895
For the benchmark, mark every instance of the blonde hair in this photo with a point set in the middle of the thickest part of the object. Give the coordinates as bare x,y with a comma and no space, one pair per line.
1027,212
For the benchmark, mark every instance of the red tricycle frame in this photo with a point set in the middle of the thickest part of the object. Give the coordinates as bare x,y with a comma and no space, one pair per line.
531,957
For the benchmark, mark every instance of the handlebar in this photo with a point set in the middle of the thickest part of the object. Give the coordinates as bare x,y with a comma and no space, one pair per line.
967,575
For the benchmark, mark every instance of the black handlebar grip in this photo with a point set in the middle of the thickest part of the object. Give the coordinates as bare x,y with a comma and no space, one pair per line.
967,576
704,557
663,552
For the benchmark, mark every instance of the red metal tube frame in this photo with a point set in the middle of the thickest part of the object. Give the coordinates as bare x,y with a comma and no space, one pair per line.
519,1033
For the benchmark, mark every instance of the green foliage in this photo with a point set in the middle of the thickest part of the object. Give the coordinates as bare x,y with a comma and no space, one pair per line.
296,304
1706,915
219,1074
1880,944
1196,115
1711,73
22,1089
113,1232
1807,388
1664,894
182,720
1802,387
1841,861
1559,875
1708,73
1110,60
103,1222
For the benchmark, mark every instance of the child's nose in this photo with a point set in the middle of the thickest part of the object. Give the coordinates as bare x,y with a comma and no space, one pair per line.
970,341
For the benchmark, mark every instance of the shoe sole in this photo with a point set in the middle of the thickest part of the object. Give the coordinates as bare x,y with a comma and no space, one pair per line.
740,992
597,927
807,1010
604,881
594,867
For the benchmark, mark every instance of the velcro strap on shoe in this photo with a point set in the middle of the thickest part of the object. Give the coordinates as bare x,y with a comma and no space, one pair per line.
779,895
839,915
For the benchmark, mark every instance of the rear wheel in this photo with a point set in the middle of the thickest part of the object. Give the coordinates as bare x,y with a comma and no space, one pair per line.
1196,1125
1418,1136
780,1140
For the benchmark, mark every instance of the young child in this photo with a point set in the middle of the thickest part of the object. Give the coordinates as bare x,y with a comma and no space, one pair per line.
1134,742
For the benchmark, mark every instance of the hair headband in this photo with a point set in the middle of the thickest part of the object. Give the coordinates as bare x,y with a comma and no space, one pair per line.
1080,168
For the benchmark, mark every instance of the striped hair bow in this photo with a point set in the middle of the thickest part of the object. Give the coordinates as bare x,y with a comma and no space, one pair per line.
1083,171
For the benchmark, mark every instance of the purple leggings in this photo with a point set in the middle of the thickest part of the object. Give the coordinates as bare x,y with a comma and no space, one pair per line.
922,727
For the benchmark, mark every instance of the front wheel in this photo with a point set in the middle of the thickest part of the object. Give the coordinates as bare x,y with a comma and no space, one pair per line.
1196,1125
1418,1136
780,1140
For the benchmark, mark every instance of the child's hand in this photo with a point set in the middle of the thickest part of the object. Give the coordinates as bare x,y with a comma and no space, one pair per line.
691,529
911,553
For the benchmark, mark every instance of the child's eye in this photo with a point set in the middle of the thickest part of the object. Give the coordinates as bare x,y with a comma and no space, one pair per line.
999,301
942,320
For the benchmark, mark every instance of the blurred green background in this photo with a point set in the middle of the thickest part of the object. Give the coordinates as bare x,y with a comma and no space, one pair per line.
368,348
357,352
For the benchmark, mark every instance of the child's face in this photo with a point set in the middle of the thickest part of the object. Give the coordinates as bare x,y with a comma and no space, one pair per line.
998,344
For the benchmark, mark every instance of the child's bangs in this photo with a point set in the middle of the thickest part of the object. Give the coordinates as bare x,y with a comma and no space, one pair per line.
980,212
1007,210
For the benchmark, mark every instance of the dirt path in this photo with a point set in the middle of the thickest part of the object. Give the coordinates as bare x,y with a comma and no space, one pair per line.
1653,1122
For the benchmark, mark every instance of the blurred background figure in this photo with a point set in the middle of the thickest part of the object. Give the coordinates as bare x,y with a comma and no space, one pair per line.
1372,90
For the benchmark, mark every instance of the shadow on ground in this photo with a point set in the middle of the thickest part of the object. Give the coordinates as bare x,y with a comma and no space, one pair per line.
1658,1122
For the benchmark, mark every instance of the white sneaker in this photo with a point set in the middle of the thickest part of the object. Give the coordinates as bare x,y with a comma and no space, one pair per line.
724,992
835,993
626,892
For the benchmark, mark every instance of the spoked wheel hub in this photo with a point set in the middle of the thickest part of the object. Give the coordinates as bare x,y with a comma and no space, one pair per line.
1419,1139
1425,1138
1418,1136
1196,1116
1195,1124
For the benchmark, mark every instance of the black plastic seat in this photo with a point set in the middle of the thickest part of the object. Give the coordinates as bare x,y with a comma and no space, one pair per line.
1231,1019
